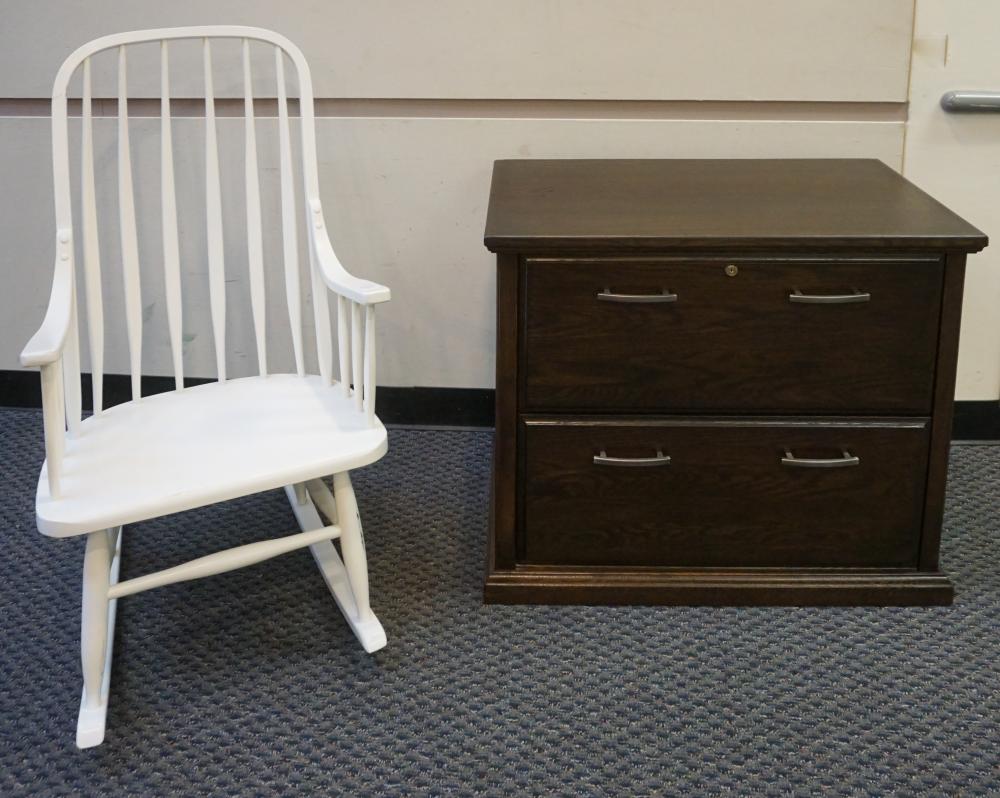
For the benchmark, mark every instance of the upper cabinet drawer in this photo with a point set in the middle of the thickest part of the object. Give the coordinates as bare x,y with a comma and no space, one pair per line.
717,334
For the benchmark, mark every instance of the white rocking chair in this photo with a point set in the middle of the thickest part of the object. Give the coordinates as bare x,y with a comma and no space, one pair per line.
199,445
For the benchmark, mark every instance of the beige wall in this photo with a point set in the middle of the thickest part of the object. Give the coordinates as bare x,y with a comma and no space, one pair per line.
418,99
548,49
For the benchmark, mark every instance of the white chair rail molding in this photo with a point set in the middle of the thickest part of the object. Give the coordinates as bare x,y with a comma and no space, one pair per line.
199,445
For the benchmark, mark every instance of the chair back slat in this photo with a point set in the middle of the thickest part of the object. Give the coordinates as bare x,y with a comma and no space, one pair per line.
321,315
54,425
344,343
71,371
255,240
91,246
129,236
357,340
168,211
310,180
370,363
213,212
289,216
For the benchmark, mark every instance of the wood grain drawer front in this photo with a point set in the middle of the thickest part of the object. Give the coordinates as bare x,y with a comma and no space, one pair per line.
698,334
765,493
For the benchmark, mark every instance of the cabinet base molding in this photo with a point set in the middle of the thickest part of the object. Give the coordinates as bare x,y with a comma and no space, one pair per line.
718,587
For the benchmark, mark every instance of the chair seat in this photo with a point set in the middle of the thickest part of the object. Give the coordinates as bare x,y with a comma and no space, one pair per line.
177,451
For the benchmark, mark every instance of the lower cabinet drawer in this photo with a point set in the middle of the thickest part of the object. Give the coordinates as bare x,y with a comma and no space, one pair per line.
723,493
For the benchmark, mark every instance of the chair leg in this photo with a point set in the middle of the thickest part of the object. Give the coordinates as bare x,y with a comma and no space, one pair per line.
349,590
101,564
352,543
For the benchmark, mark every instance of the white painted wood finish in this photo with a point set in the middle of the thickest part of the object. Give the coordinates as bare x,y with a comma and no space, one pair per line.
54,426
188,448
336,572
168,221
71,369
222,561
96,626
213,221
956,157
91,246
127,229
357,369
198,449
255,232
321,316
289,239
344,343
369,363
94,618
324,500
352,545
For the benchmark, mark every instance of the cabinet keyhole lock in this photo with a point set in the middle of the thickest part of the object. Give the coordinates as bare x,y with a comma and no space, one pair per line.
732,270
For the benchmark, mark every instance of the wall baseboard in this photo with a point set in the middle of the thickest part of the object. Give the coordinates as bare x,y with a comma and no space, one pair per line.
976,421
420,406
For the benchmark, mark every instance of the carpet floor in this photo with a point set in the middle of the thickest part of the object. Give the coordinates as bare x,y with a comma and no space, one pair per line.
250,683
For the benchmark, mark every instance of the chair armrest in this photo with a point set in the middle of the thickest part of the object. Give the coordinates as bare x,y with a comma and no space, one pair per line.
46,345
337,278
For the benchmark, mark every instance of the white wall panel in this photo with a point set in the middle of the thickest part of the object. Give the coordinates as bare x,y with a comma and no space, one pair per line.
406,203
841,50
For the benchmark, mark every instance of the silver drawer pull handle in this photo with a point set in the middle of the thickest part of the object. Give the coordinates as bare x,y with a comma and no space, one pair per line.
660,460
829,299
608,295
847,459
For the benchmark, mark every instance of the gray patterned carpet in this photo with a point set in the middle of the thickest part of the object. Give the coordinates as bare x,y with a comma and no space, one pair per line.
251,684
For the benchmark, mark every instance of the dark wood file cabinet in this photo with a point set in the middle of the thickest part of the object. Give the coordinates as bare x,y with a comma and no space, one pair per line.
721,382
